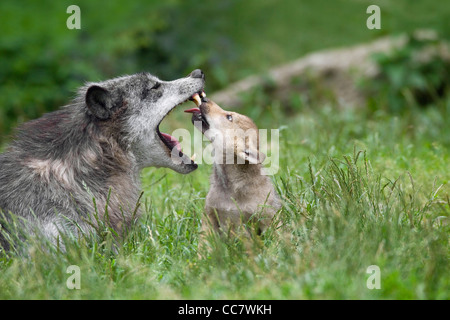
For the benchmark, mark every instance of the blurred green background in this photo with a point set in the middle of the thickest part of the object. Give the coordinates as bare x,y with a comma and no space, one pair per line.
42,62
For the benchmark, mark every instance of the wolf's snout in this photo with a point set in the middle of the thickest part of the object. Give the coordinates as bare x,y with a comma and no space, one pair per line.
197,73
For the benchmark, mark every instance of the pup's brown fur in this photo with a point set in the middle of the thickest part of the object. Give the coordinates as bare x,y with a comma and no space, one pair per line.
239,193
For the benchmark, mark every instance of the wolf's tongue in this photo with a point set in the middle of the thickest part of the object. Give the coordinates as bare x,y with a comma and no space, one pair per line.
172,141
193,110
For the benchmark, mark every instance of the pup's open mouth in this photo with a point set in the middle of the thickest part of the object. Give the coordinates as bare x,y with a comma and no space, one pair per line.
171,142
198,119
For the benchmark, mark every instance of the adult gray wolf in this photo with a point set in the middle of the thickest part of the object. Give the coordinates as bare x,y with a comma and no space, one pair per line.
93,148
240,193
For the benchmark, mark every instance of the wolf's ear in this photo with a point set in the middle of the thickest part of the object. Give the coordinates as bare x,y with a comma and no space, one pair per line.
99,102
253,156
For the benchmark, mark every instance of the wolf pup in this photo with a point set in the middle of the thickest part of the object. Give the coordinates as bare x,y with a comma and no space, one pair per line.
239,193
93,148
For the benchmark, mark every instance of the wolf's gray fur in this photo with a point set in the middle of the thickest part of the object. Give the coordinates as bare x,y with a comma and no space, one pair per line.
94,147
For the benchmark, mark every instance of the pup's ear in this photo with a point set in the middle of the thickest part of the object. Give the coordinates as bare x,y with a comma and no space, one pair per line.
253,156
99,102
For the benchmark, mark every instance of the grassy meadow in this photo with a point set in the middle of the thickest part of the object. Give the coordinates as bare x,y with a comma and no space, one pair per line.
357,190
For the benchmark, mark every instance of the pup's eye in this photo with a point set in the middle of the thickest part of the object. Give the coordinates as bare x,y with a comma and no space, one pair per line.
229,117
156,85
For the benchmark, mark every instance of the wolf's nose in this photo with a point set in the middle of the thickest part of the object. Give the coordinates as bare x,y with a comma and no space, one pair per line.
197,73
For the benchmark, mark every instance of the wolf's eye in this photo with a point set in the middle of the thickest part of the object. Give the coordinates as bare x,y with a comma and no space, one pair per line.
156,86
229,117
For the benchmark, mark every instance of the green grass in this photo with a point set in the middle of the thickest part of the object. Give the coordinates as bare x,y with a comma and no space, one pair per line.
358,189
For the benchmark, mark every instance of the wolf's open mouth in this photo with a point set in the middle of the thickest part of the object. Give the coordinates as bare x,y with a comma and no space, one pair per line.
171,142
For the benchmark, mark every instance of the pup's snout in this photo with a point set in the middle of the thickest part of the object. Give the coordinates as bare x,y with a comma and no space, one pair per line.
197,73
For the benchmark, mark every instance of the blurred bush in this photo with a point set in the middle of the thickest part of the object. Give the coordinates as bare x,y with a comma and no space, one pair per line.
417,74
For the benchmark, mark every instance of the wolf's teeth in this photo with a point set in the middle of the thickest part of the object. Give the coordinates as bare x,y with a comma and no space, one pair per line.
203,94
193,157
197,99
